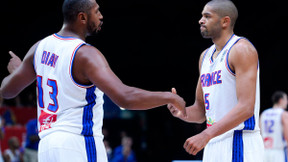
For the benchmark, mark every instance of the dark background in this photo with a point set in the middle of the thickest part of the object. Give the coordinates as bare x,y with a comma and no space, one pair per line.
155,45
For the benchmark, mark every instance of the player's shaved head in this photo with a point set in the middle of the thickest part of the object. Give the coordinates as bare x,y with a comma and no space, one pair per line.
71,8
225,8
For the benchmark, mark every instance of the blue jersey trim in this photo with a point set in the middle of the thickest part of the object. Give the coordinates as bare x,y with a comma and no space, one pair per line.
64,37
227,57
71,66
222,48
87,122
237,150
90,149
88,112
249,124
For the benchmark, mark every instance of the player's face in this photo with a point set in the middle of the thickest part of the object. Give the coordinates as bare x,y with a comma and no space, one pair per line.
94,20
210,23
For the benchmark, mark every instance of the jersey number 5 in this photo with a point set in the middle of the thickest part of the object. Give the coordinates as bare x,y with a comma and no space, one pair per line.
207,104
53,105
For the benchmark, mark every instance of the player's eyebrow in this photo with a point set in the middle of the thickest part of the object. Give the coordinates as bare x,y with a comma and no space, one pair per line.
206,13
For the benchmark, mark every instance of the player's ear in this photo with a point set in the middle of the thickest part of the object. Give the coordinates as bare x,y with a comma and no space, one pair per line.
82,17
226,21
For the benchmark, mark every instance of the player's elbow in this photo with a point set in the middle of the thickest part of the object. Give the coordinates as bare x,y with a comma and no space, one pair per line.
130,99
123,99
6,94
124,103
248,110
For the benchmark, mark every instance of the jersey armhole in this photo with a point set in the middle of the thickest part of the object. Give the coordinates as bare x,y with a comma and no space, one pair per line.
71,65
227,58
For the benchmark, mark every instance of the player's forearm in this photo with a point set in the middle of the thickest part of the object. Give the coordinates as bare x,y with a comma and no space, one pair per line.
236,116
195,114
138,99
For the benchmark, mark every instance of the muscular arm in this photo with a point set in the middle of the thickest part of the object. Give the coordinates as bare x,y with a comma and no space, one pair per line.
95,69
244,61
22,77
285,124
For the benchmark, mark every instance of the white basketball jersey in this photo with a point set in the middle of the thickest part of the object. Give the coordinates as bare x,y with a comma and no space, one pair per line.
219,89
272,130
64,105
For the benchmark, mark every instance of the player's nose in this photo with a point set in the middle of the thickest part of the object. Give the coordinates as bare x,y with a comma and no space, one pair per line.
201,21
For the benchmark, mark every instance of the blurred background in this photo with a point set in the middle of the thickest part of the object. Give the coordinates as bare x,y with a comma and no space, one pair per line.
150,44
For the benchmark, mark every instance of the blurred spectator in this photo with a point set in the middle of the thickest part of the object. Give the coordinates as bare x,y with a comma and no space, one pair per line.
124,152
31,142
108,149
13,154
9,117
107,143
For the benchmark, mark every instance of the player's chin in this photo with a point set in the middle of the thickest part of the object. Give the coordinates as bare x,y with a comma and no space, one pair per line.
205,35
94,32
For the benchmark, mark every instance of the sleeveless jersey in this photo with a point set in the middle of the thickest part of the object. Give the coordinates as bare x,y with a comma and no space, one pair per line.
218,83
63,104
272,130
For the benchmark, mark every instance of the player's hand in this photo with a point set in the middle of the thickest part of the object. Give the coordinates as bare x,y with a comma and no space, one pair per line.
176,112
14,62
196,143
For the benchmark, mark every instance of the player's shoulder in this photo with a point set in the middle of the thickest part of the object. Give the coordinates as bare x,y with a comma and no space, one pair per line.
88,56
243,53
203,54
244,46
285,115
202,57
87,51
30,54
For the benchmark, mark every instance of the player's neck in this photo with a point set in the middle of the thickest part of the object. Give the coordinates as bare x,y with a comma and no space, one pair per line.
221,41
277,106
68,30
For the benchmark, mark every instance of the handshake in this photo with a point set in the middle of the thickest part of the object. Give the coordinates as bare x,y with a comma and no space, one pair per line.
178,111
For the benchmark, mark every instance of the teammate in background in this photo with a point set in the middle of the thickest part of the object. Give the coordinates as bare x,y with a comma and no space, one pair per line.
71,77
274,129
227,94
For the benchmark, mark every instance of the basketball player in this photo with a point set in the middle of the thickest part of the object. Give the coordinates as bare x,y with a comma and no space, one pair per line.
227,94
274,128
71,77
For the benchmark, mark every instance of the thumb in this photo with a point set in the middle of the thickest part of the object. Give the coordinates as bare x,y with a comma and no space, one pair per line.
12,54
174,90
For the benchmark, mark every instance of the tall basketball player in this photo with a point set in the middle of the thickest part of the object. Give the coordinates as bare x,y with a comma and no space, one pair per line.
71,77
274,129
227,94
